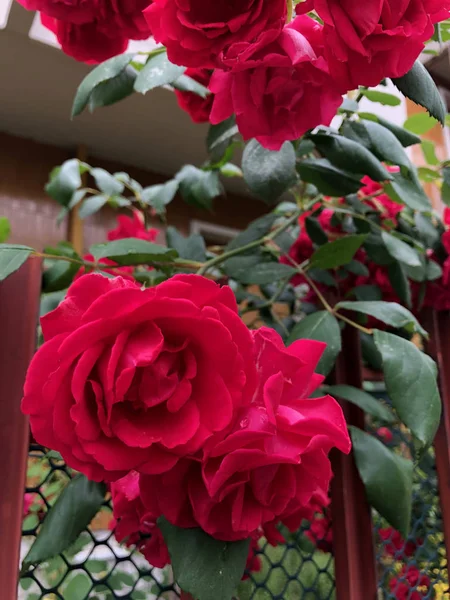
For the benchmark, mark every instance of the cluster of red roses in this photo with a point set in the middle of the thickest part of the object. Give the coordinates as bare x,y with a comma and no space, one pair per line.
165,393
280,77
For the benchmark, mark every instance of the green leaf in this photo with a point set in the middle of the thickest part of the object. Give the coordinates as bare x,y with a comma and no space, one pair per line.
420,123
132,251
391,313
159,196
5,229
107,183
59,276
370,353
418,86
269,174
220,137
429,152
199,187
113,90
321,326
231,170
64,181
378,140
429,234
400,283
400,250
265,273
187,84
315,232
410,378
157,71
434,271
78,587
337,253
255,231
327,178
191,248
204,567
366,401
445,193
387,477
406,138
381,97
367,293
12,257
104,72
348,154
408,191
75,508
92,205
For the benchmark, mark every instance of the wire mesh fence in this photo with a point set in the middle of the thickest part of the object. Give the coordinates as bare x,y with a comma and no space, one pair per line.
96,566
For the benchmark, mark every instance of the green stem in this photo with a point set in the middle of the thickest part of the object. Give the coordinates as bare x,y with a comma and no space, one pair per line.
255,244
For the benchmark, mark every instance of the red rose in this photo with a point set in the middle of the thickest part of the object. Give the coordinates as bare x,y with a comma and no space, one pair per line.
446,216
197,107
410,577
387,208
132,227
395,545
437,294
210,34
282,90
385,434
320,532
134,525
135,379
273,459
377,39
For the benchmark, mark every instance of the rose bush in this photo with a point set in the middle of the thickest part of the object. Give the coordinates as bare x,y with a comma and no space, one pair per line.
126,376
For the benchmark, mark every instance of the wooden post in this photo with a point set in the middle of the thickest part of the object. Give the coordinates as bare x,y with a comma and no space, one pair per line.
354,554
75,229
19,302
438,326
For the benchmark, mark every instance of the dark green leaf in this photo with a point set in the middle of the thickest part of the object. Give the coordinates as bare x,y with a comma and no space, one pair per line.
132,251
418,86
400,250
429,234
408,191
265,273
391,313
322,276
192,247
433,271
269,174
113,90
315,231
368,403
12,257
411,384
239,266
400,283
107,183
157,71
337,253
5,229
388,479
59,276
376,250
187,84
367,293
220,137
327,178
348,154
357,268
445,193
105,71
75,508
406,138
370,352
199,187
204,567
321,326
255,231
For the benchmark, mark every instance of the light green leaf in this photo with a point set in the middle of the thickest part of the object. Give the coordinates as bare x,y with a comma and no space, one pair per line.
78,587
381,97
391,313
429,151
107,183
323,327
387,477
157,71
12,257
366,401
204,567
5,229
92,205
420,123
337,253
411,384
159,196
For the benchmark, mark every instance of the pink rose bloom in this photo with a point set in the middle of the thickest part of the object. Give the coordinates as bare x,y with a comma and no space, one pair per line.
208,34
132,227
198,108
132,379
280,91
378,38
280,442
134,525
